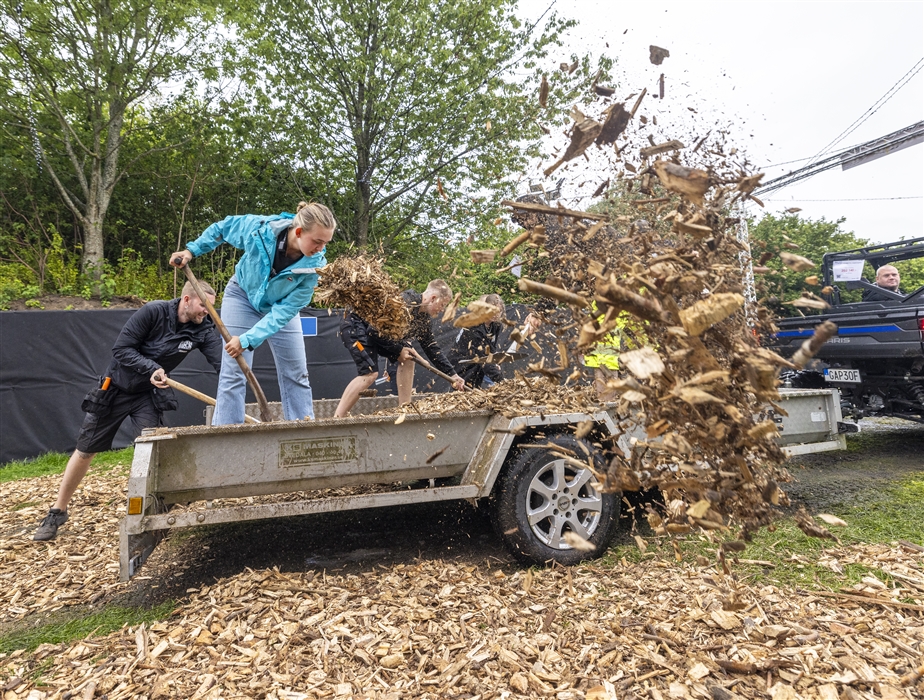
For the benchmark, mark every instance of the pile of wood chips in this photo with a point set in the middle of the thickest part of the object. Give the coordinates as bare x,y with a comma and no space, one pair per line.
361,284
439,629
516,397
79,569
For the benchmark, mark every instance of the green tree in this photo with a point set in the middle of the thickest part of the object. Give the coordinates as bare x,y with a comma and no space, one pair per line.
806,237
75,75
404,107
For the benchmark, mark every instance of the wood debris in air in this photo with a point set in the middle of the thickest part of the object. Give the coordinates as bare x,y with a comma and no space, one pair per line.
360,283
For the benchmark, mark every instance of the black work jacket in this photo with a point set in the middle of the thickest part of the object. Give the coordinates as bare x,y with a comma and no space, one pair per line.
421,330
154,338
477,341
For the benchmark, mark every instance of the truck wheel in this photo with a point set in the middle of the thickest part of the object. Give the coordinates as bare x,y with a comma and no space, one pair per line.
542,497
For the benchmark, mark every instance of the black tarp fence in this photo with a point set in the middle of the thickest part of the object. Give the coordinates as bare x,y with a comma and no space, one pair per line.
49,360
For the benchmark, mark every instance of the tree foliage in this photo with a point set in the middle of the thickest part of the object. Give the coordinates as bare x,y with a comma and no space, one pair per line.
405,108
75,76
806,237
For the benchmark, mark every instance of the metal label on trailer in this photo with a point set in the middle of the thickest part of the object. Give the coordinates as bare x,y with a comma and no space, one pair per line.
303,453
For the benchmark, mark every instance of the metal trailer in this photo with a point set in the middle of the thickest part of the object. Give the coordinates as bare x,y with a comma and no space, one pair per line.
813,423
542,494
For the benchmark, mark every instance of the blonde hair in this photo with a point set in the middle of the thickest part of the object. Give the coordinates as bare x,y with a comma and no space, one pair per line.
206,288
497,302
307,215
441,289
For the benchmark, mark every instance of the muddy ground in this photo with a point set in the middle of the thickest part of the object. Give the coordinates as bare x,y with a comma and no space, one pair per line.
883,452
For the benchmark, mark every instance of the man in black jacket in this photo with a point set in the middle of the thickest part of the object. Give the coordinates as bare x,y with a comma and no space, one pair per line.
153,342
888,278
365,345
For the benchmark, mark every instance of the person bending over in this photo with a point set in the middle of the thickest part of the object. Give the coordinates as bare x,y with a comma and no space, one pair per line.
365,345
154,340
274,279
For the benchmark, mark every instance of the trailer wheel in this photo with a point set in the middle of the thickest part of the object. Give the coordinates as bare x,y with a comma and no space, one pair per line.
542,497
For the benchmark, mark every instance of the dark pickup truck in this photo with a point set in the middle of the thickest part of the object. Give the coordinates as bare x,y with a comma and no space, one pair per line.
876,359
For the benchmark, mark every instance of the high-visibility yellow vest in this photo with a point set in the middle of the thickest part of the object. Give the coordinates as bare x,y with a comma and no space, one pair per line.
606,352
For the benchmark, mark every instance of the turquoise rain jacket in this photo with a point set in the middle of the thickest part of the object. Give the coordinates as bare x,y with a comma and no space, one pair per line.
279,297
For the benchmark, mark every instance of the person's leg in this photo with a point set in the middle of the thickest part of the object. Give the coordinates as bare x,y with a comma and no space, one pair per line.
351,394
74,472
405,381
239,316
96,435
288,346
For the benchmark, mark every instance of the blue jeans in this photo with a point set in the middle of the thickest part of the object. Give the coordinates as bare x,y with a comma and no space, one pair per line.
288,346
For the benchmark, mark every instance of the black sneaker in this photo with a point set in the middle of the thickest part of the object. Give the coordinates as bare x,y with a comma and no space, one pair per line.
50,524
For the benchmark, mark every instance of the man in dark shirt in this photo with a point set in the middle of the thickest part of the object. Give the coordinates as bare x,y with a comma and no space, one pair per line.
153,342
365,345
887,278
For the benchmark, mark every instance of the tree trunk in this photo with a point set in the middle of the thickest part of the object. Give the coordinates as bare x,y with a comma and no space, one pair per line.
363,195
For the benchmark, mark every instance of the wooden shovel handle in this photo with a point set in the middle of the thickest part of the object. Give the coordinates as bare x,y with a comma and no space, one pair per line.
242,363
438,373
205,398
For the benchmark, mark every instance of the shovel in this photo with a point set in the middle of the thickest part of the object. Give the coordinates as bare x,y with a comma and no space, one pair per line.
242,363
495,357
438,373
189,391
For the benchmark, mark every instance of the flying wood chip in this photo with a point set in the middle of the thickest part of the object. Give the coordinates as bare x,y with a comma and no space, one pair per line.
615,121
643,362
673,145
808,525
796,263
710,311
478,312
584,132
690,182
812,302
482,256
451,307
657,55
544,92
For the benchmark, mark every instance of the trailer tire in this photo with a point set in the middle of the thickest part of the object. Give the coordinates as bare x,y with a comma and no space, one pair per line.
541,497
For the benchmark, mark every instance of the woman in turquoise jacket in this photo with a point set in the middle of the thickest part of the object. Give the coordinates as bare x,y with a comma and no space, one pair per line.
274,279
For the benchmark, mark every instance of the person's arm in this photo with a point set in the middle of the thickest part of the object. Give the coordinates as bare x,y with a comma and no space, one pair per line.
231,229
211,347
281,313
462,349
493,372
432,350
127,348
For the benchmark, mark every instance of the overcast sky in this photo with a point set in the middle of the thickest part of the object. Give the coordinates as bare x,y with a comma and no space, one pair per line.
786,78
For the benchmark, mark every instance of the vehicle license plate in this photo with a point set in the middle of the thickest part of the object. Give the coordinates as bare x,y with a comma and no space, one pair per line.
843,375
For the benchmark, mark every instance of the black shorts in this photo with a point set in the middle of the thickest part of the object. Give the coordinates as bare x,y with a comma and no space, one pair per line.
366,362
99,430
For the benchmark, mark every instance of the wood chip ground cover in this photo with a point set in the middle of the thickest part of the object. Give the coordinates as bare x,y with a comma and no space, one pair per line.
442,629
